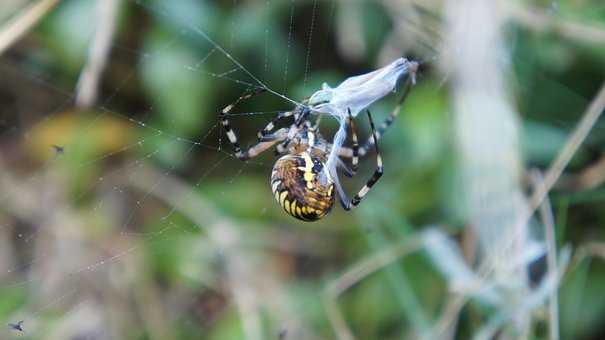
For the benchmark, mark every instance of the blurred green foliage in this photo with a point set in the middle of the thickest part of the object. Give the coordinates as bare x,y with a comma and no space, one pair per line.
162,88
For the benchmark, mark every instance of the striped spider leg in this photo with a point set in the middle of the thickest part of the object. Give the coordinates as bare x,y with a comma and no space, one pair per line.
356,151
344,200
266,139
365,148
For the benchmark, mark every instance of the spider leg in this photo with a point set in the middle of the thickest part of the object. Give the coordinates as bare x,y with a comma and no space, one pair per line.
267,142
355,148
348,152
265,139
347,171
375,177
269,127
317,121
363,150
342,196
225,121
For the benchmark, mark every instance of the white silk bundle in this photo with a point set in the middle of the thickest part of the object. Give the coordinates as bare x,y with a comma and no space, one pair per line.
356,94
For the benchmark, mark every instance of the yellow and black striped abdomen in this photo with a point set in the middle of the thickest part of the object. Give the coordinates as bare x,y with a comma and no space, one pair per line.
296,186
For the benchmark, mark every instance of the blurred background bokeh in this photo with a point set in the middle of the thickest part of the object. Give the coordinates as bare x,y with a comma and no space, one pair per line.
124,214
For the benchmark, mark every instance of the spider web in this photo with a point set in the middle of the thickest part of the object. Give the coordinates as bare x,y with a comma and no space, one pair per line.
134,180
70,293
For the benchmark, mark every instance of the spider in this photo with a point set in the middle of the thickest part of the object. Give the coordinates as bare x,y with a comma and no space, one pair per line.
300,182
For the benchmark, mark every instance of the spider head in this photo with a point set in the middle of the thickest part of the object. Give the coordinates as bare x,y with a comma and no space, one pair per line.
298,187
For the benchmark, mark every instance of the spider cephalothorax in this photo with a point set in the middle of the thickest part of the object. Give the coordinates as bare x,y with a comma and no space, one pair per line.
301,181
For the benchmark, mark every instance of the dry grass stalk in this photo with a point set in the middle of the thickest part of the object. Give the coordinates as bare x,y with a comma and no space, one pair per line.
487,131
487,136
540,20
356,274
589,178
21,24
548,222
589,118
88,83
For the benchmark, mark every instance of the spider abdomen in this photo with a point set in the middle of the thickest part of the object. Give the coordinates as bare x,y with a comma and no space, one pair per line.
297,187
